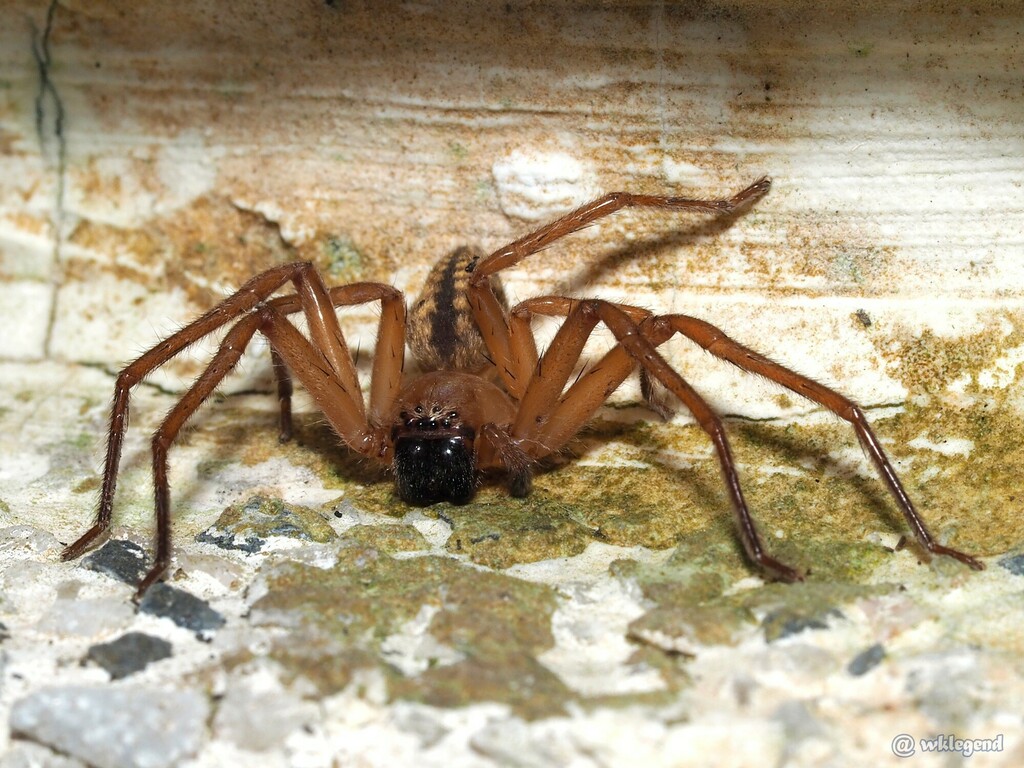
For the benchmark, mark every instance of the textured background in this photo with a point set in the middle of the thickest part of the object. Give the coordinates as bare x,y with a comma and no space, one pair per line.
153,156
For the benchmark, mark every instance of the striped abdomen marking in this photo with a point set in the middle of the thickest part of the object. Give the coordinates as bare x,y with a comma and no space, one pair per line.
442,333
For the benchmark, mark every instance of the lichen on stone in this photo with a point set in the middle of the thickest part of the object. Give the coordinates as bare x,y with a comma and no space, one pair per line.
340,618
498,531
386,538
248,525
696,605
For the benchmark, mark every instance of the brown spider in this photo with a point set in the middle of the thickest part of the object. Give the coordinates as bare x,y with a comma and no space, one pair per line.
441,429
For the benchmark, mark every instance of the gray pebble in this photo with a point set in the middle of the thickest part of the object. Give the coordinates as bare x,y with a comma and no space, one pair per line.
128,654
115,727
866,660
123,560
183,609
228,540
1014,564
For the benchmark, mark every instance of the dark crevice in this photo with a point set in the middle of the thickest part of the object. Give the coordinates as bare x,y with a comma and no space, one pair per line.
113,374
52,141
265,221
739,417
177,393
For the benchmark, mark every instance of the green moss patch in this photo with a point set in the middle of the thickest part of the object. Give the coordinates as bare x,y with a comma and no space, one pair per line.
695,607
498,531
386,538
340,620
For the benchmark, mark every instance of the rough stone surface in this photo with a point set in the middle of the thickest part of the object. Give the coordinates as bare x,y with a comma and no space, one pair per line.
115,727
478,634
387,538
247,526
242,712
784,622
26,754
85,617
154,156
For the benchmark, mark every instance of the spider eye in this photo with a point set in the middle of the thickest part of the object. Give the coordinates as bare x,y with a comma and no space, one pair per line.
433,469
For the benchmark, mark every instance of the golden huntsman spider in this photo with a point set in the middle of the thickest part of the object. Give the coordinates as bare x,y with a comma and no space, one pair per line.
485,398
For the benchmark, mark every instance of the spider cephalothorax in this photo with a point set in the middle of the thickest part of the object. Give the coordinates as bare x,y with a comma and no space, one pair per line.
488,399
435,435
435,458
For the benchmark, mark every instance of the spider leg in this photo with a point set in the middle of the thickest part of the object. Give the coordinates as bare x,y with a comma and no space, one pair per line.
547,419
605,205
242,301
652,398
498,447
284,394
339,404
389,357
227,357
715,341
330,357
554,425
508,352
386,377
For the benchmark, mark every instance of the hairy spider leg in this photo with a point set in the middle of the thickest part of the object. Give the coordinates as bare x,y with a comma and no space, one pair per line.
245,299
660,329
511,356
341,406
284,395
547,419
226,358
315,300
541,419
389,355
556,416
524,346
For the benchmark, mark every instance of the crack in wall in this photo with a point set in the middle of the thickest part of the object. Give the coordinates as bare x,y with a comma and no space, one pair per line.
49,114
176,393
265,220
739,417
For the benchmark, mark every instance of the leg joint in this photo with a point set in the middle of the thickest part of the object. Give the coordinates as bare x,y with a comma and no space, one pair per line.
160,442
126,379
591,308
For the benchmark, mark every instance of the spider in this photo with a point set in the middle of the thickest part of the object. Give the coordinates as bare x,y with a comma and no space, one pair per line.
486,399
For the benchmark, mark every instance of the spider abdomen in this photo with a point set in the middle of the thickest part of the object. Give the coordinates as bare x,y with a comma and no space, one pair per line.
442,333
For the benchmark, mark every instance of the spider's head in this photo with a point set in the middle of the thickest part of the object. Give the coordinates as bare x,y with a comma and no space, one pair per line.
434,459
